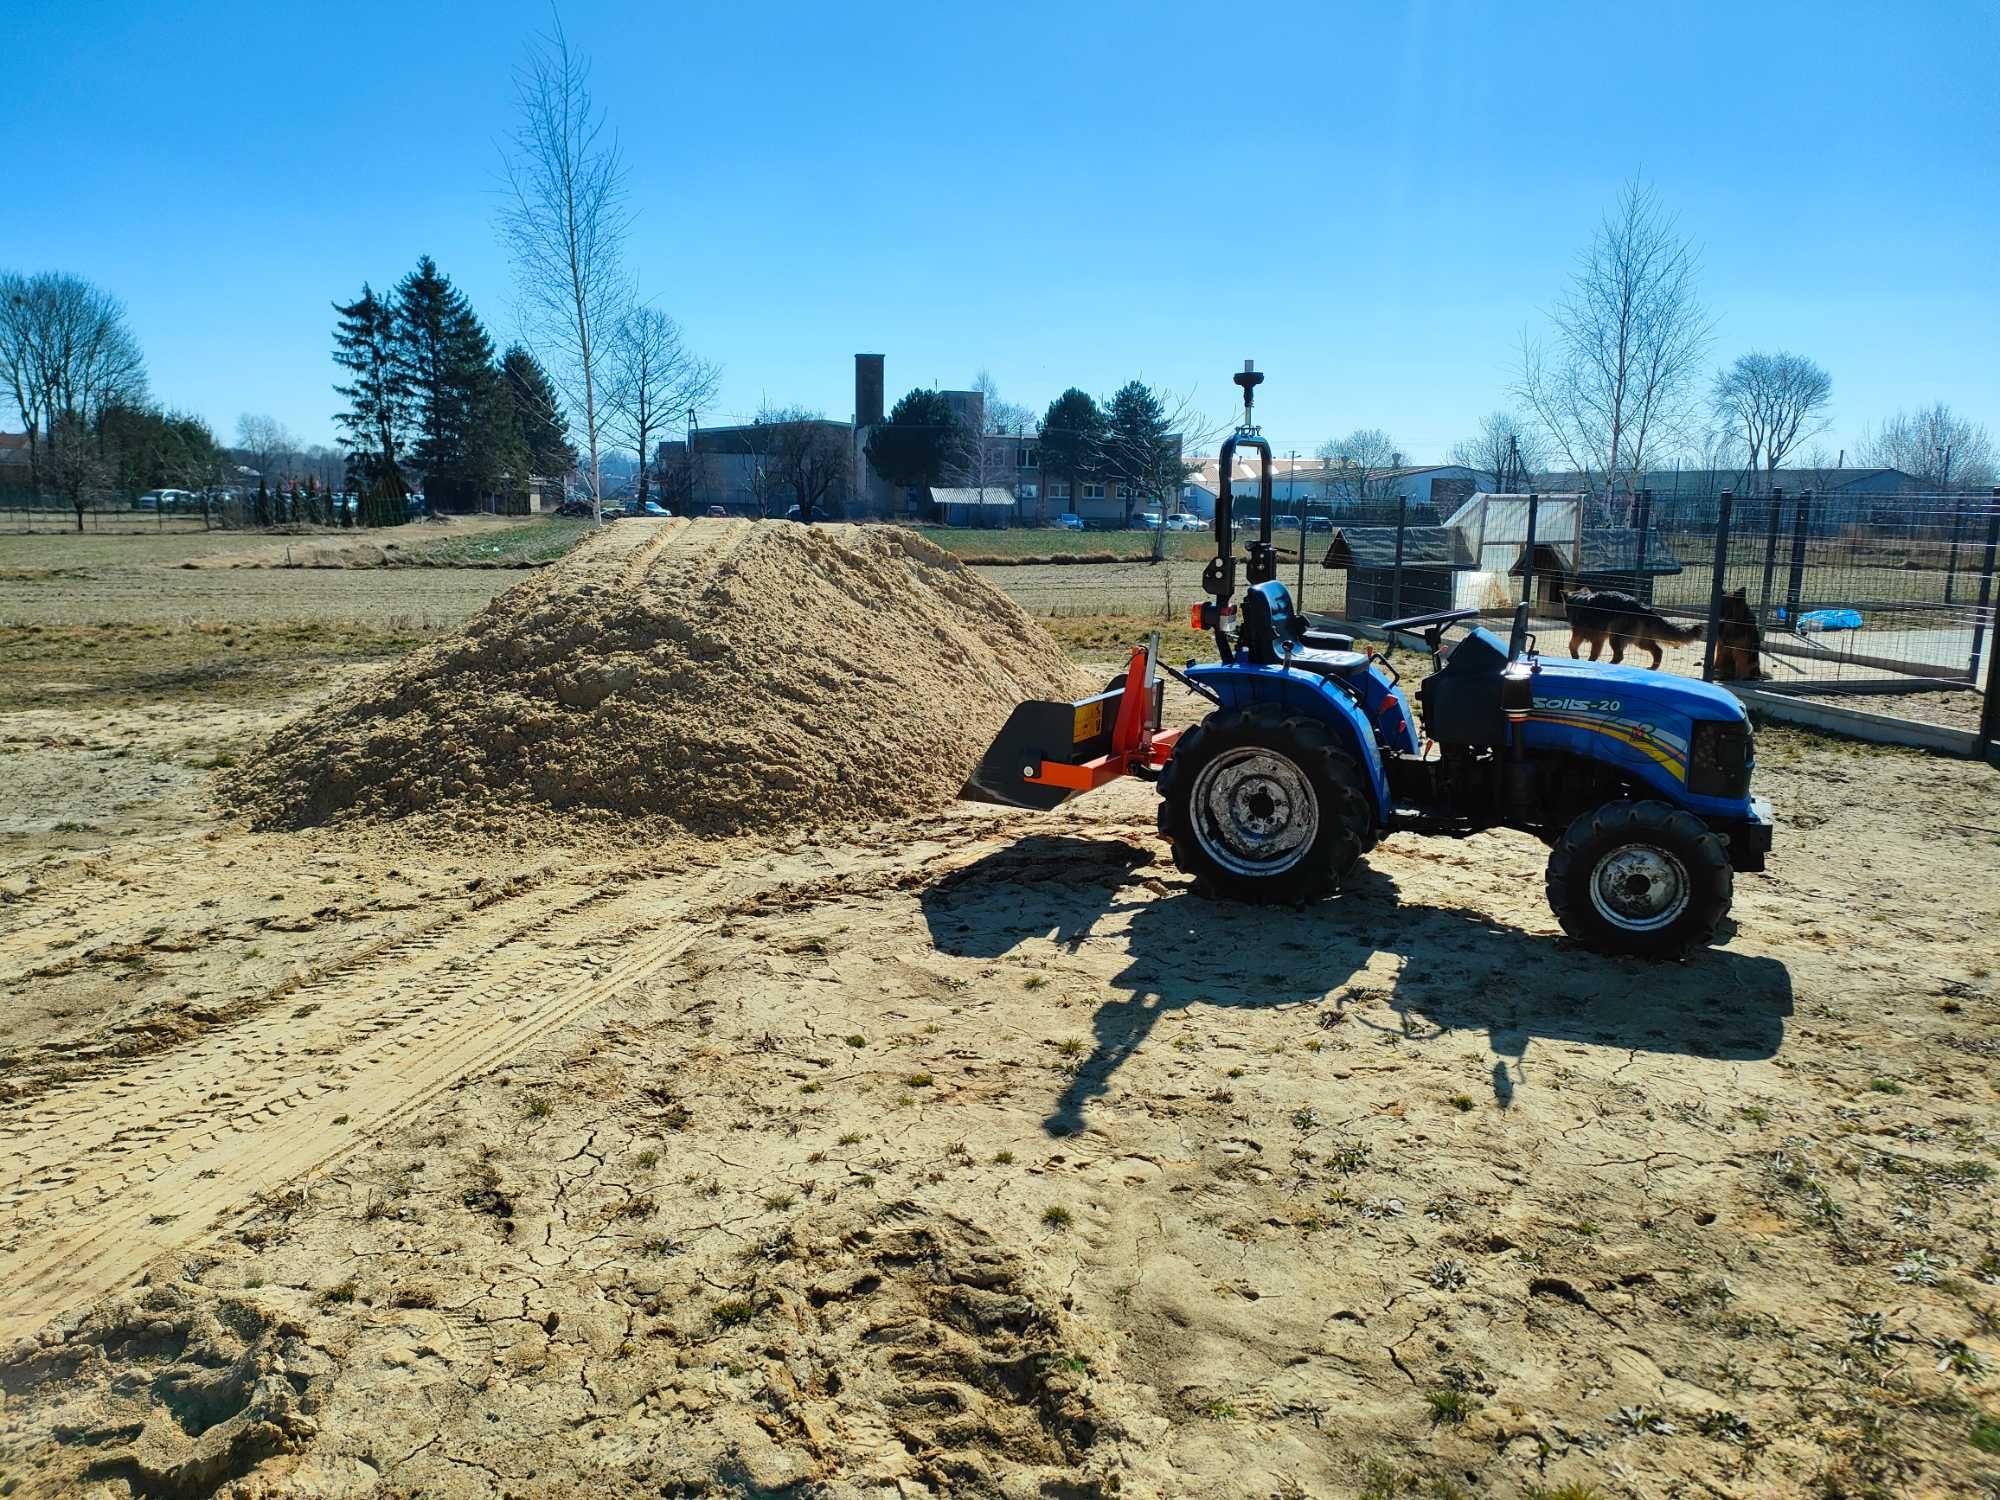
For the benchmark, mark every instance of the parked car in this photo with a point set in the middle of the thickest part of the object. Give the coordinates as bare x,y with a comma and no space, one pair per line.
167,500
1185,521
1069,521
1319,523
1284,523
1146,520
653,508
716,512
793,514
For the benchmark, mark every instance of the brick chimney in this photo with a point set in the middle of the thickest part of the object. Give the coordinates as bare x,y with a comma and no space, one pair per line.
867,390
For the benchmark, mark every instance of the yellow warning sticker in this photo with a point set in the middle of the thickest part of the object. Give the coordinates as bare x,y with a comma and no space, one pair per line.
1089,721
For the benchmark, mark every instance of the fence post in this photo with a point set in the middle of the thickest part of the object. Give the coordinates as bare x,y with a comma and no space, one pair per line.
1714,630
1642,579
1957,534
1528,555
1770,558
1396,581
1989,712
1795,586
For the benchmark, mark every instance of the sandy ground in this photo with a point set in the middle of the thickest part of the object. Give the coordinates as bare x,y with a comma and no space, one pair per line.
975,1155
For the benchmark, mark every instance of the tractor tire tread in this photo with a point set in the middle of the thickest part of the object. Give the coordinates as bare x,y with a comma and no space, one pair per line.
1701,851
1347,831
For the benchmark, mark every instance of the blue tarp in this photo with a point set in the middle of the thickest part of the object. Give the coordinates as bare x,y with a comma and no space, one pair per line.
1830,619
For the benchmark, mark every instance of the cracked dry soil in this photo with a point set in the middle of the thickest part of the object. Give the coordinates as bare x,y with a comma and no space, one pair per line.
975,1155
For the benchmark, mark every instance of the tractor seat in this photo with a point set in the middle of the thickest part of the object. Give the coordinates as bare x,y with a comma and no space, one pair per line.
1274,633
1327,663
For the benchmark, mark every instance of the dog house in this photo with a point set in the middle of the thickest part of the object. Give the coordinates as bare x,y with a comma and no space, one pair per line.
1608,557
1431,556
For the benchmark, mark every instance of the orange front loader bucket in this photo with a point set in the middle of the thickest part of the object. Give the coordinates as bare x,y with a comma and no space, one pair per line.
1048,752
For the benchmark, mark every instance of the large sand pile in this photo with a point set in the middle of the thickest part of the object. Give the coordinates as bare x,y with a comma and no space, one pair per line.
722,675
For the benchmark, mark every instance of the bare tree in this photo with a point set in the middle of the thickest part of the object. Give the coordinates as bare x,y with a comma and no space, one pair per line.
1937,446
652,381
1628,341
1002,417
1775,402
564,223
66,354
267,443
807,455
1353,468
1506,448
324,464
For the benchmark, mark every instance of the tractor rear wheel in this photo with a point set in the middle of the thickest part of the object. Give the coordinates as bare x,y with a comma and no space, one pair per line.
1263,806
1640,878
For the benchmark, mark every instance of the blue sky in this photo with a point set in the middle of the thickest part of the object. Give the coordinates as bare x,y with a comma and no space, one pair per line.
1372,201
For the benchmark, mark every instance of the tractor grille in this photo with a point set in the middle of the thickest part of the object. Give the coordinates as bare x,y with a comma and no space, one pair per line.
1719,760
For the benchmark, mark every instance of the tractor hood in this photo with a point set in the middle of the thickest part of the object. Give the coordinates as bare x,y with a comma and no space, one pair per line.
1688,740
1640,688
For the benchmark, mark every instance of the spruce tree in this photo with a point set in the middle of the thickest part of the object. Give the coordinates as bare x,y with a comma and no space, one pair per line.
445,359
539,420
1072,442
920,442
364,342
1139,452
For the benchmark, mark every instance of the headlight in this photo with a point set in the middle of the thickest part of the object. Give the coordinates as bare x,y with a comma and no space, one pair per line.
1719,760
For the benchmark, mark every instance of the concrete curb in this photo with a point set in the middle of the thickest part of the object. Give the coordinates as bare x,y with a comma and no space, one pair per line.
1858,724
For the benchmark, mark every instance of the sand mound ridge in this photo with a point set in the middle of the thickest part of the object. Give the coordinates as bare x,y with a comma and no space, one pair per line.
725,676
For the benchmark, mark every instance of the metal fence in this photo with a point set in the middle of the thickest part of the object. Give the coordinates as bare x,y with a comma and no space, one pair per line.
1826,598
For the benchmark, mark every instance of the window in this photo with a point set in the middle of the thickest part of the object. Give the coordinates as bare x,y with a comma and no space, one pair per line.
1059,489
1093,491
1028,458
1124,492
1026,491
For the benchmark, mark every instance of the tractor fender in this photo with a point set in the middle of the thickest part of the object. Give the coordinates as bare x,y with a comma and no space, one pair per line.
1240,685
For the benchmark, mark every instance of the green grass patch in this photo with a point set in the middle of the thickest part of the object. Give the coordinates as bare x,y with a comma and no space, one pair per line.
529,545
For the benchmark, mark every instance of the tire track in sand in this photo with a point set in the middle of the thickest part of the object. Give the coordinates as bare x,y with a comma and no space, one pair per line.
103,1179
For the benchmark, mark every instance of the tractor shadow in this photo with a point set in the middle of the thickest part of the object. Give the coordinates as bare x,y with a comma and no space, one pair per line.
1454,969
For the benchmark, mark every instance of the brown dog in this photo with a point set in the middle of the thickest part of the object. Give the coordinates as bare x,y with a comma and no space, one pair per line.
1738,641
1600,615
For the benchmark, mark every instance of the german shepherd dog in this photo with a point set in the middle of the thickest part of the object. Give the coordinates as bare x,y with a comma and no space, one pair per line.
1738,642
1600,615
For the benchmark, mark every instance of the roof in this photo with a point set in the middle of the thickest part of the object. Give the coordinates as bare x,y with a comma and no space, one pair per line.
1610,549
990,494
1375,547
13,447
1208,470
1495,519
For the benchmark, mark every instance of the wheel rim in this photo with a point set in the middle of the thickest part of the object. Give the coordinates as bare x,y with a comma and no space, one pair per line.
1254,811
1639,887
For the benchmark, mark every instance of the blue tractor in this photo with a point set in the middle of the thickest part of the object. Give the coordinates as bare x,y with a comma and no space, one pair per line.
1639,782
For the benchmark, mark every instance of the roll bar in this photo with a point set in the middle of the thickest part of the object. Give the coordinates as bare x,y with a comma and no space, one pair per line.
1219,578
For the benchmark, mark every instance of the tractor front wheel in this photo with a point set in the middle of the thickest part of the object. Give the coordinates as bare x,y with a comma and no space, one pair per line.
1640,878
1262,806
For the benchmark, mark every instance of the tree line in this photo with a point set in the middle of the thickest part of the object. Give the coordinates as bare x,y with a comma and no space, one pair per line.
1135,441
76,378
426,395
